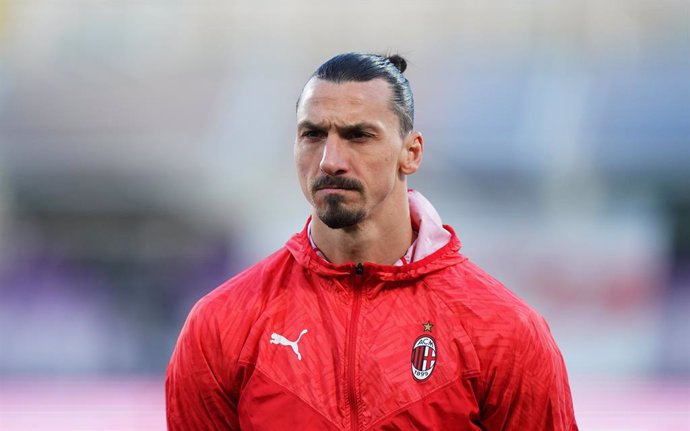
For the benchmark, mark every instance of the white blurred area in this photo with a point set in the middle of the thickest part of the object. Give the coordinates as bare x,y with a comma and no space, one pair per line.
146,156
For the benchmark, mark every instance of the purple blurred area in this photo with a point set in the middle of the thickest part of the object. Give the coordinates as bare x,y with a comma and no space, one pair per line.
146,156
101,292
80,404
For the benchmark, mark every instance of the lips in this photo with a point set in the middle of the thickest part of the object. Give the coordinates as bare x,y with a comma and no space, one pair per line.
332,188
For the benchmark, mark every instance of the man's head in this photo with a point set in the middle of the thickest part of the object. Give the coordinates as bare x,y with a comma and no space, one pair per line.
355,144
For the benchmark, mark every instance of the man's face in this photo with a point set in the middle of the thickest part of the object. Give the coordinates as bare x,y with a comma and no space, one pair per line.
348,149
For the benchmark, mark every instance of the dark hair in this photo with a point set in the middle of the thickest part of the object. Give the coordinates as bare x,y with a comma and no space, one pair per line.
359,67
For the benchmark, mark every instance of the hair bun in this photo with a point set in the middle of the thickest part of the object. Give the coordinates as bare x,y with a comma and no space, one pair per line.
399,62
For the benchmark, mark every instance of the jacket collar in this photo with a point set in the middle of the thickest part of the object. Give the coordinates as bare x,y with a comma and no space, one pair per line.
436,247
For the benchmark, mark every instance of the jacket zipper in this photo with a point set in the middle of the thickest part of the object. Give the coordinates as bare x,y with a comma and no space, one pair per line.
352,344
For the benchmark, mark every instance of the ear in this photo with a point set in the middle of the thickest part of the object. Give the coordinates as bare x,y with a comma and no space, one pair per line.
411,154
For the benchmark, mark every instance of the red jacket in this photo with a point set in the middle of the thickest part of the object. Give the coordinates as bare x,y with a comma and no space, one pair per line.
297,343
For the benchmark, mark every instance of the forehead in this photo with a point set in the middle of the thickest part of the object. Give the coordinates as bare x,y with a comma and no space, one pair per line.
346,101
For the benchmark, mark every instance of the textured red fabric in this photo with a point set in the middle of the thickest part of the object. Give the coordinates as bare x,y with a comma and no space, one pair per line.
496,366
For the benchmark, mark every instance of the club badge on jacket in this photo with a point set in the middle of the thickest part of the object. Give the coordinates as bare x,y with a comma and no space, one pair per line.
423,358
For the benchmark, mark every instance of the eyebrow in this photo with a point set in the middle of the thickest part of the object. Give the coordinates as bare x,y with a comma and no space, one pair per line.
309,125
306,124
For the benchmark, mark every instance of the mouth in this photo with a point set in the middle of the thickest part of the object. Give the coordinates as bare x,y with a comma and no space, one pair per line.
332,191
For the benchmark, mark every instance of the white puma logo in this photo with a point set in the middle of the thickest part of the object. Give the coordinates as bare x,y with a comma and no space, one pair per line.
279,339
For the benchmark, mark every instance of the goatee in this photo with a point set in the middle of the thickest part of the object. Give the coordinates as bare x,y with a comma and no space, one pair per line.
334,214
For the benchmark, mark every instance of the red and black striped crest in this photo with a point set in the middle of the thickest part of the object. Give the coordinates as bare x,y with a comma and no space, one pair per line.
423,357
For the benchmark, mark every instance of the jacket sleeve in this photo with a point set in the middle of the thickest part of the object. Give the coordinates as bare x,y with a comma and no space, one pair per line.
196,396
527,384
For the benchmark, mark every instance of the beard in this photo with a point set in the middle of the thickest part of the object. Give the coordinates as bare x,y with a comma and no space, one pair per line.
334,214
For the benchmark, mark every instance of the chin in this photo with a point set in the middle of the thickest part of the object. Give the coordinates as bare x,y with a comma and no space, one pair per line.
339,217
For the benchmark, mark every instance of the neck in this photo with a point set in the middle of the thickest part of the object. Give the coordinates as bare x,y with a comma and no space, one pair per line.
379,240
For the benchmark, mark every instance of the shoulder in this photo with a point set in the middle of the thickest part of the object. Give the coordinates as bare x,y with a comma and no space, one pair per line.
250,283
522,382
509,337
493,316
246,291
476,295
220,322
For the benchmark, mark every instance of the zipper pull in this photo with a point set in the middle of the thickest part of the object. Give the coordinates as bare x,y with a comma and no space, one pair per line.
359,269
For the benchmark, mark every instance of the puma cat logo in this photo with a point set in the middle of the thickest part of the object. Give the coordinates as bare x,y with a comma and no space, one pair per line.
279,339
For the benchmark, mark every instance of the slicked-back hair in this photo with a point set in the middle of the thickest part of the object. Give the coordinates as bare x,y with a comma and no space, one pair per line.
360,67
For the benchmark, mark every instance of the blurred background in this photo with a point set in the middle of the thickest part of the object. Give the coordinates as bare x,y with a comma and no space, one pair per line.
146,156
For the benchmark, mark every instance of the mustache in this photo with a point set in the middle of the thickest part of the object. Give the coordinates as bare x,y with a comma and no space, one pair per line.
331,182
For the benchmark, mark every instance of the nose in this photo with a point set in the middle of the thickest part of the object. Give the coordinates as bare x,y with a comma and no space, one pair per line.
334,158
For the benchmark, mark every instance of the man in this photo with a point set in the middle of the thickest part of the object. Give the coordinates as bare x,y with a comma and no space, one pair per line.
369,318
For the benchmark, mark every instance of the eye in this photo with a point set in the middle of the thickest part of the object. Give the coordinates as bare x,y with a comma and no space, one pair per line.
358,136
312,135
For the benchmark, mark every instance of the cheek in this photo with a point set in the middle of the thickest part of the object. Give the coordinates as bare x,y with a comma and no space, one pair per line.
302,172
306,156
387,166
303,165
382,174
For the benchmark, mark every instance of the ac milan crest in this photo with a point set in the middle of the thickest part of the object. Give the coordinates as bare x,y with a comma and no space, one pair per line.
423,357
